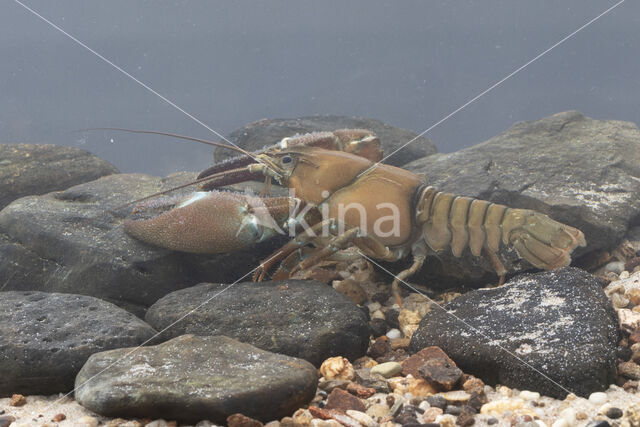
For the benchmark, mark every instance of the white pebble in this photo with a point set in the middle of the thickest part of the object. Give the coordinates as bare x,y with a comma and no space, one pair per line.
87,421
541,423
598,398
569,415
529,395
615,266
361,417
624,275
374,306
393,334
377,315
560,423
424,405
604,408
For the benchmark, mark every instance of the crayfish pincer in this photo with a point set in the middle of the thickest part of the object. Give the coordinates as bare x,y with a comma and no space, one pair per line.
340,200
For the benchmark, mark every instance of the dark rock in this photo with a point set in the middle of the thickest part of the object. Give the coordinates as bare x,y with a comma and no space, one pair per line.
598,423
378,327
365,378
577,170
193,378
559,322
254,136
342,401
441,373
46,338
453,410
301,318
406,416
31,169
437,401
74,242
391,317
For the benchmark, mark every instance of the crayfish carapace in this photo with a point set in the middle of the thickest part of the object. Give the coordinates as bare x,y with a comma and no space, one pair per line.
341,198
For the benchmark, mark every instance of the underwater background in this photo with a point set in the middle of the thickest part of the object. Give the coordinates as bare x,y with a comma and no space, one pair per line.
228,63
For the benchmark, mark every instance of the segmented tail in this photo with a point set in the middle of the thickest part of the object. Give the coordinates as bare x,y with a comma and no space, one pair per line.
460,222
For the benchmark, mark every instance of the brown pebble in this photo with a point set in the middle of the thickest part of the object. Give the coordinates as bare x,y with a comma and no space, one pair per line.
18,400
412,364
351,289
634,337
471,384
441,373
341,400
380,347
400,343
630,385
360,391
59,417
327,414
240,420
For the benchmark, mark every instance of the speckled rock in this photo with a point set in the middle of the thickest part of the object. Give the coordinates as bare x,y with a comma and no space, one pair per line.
256,135
73,241
46,338
560,323
547,165
191,378
30,169
301,318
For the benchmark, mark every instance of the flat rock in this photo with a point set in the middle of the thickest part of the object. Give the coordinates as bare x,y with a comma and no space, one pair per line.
73,241
191,378
46,338
301,318
29,169
579,171
256,135
560,323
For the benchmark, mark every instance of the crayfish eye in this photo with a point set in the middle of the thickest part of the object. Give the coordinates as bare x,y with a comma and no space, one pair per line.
286,160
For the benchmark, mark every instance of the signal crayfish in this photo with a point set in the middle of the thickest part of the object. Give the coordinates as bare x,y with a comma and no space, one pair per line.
342,198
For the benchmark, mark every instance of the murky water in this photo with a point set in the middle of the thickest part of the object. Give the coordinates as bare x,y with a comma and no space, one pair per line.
228,63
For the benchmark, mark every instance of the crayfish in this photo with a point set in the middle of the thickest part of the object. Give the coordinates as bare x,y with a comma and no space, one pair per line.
341,197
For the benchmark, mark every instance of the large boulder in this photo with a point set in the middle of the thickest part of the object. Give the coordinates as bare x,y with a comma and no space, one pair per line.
554,332
580,171
301,318
73,241
46,338
29,169
194,378
256,135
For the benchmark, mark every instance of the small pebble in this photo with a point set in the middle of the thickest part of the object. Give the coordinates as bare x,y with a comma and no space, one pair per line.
560,423
361,417
87,421
6,420
387,370
337,368
377,315
492,420
569,415
624,275
529,395
615,267
17,400
598,423
437,401
598,398
614,413
59,417
393,334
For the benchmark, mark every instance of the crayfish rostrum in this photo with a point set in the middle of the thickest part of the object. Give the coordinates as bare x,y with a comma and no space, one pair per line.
340,198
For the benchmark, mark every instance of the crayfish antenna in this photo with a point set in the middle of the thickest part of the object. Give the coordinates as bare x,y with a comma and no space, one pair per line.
230,146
